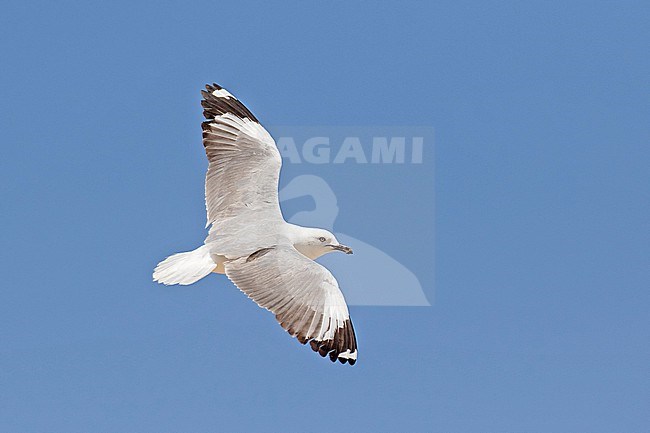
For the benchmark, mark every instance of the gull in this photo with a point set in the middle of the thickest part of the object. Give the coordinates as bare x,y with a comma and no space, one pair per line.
267,258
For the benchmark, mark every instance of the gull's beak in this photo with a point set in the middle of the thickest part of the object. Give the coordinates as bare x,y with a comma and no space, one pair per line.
346,250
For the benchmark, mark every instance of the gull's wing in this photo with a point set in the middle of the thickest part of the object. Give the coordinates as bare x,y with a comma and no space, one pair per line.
304,296
241,185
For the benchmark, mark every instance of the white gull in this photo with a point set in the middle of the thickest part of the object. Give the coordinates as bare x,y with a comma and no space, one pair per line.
268,259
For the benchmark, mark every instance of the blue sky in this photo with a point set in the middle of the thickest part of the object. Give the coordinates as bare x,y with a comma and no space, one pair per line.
534,249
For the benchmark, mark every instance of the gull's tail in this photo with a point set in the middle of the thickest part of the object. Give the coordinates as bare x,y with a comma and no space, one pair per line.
185,268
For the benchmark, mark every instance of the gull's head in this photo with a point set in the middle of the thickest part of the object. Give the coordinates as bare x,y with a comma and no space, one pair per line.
314,243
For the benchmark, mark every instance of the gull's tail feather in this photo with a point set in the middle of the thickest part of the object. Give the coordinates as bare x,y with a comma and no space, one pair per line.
185,268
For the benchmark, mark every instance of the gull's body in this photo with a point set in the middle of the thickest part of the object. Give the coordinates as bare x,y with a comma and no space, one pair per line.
268,259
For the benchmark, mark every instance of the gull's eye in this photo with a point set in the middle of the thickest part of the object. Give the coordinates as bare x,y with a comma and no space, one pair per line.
322,239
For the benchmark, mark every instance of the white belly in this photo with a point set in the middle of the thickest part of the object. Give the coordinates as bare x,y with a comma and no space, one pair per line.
219,261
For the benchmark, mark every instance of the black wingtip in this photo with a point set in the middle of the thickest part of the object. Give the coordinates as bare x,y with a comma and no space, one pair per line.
217,105
343,347
212,87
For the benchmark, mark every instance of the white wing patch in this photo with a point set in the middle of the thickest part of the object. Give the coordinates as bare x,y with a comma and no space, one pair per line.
222,93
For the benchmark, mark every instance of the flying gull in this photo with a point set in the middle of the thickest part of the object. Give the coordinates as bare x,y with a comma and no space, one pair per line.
249,241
